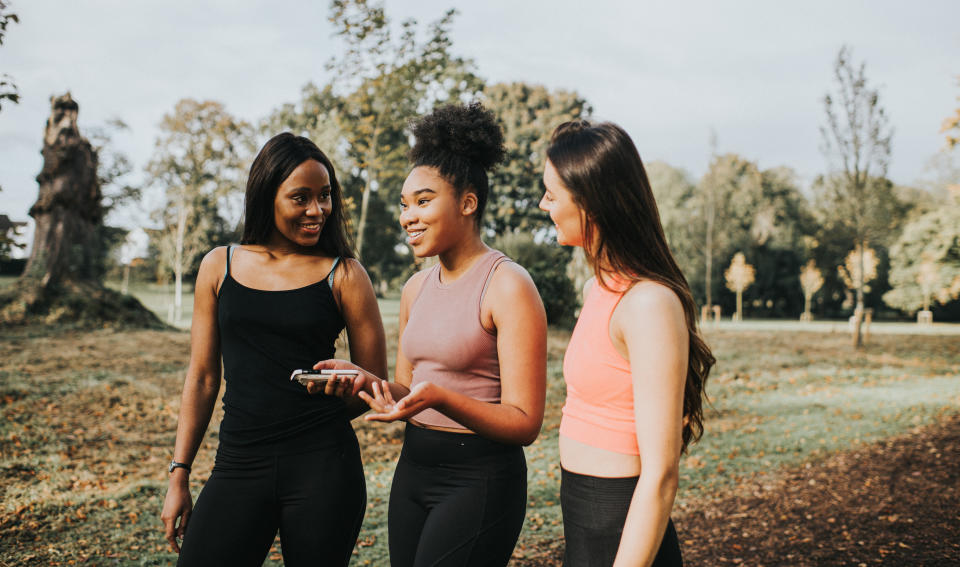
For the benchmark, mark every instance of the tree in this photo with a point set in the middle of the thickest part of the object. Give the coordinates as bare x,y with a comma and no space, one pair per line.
547,263
739,276
856,141
62,278
726,200
925,260
528,115
382,83
675,194
708,194
198,161
9,231
114,167
951,127
811,280
891,208
859,268
8,90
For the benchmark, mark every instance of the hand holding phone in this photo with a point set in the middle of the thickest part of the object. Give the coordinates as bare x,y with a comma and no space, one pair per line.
327,381
320,376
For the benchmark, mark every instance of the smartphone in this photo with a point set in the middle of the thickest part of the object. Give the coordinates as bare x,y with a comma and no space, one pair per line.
319,376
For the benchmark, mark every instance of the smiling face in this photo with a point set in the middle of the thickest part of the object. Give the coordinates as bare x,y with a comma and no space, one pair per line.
567,216
432,214
302,204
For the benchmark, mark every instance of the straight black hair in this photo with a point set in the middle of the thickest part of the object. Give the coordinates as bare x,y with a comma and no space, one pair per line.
276,161
601,167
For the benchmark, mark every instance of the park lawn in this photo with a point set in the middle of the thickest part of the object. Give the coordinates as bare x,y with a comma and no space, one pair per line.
88,424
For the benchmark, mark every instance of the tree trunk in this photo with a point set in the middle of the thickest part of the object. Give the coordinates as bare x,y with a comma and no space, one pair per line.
367,188
709,252
66,242
62,278
364,205
858,310
739,305
125,287
178,262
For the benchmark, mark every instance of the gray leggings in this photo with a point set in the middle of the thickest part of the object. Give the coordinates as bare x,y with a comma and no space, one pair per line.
594,511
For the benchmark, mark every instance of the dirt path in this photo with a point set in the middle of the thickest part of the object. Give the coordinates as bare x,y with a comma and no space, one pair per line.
893,503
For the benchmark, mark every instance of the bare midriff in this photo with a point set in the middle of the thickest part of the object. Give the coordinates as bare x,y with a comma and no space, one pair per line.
581,458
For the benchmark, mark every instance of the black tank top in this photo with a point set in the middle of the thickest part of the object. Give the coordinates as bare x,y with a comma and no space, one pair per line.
264,336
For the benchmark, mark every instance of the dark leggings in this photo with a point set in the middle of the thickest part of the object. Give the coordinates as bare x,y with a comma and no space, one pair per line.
594,511
316,499
457,500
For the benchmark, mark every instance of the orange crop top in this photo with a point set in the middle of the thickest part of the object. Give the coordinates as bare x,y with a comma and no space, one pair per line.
599,406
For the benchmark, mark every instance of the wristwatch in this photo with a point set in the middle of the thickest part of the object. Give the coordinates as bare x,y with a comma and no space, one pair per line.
176,465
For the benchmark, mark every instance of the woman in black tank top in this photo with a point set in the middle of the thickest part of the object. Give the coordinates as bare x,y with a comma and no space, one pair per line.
288,460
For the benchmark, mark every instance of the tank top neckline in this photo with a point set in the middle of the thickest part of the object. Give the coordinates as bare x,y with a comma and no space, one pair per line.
301,288
229,276
465,276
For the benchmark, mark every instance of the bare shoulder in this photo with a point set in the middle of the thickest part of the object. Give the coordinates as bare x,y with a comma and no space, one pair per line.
510,277
413,285
352,270
214,262
588,285
650,300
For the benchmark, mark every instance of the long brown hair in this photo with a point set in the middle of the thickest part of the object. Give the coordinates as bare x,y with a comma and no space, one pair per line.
602,168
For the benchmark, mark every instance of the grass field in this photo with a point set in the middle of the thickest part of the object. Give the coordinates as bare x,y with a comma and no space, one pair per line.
88,423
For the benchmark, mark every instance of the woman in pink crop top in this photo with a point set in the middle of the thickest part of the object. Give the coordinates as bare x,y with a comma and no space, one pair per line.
471,364
636,365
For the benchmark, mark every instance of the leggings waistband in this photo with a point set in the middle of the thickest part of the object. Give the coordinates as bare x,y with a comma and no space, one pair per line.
428,447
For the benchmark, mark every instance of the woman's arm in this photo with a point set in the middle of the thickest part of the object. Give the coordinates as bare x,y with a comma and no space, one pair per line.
649,325
517,313
200,390
403,371
358,303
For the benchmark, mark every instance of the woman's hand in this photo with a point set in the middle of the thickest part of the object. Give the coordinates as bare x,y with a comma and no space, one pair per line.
422,396
178,504
342,385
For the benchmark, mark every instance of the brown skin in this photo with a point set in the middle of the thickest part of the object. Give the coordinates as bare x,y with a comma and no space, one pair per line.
287,261
440,222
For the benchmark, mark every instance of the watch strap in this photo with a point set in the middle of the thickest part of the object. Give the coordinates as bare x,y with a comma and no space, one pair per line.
177,465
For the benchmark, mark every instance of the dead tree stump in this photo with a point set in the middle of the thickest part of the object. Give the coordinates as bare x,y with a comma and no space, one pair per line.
62,279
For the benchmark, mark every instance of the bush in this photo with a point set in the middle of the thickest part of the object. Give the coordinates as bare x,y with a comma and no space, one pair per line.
547,264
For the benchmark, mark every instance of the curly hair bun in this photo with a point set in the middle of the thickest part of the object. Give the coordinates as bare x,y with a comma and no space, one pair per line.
470,132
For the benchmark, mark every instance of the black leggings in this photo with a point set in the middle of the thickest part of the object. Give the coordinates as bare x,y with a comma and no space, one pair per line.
594,511
316,499
457,500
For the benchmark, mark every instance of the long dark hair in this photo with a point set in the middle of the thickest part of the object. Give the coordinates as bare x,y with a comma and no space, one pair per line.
462,142
602,168
277,159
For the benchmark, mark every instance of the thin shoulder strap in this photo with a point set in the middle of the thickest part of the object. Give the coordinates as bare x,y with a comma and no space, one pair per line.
333,270
230,250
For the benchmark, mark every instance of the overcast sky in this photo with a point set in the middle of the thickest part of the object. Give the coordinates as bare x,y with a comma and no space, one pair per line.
755,72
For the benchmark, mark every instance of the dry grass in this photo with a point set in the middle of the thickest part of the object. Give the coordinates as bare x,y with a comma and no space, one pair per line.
88,422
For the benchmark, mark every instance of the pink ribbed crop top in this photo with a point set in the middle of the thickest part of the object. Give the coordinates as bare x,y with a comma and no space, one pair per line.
599,406
445,341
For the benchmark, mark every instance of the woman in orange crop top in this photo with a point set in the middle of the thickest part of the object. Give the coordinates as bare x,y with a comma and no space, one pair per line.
471,361
636,366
